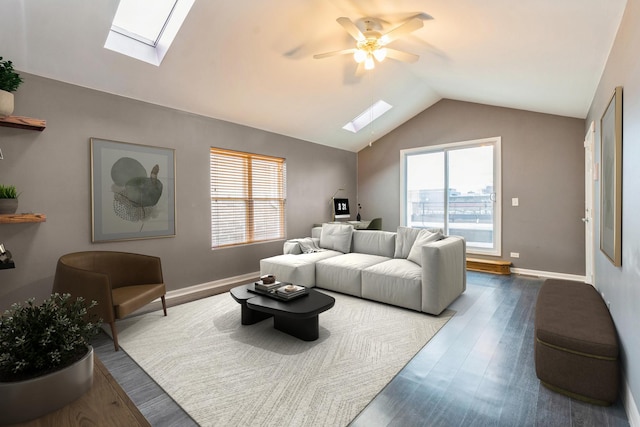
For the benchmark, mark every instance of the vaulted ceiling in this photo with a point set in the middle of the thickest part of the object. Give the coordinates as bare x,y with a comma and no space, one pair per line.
251,61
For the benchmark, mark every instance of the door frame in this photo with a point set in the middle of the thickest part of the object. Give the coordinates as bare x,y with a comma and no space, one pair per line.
590,175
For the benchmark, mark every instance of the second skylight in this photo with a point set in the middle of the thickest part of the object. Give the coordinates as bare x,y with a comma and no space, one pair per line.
367,116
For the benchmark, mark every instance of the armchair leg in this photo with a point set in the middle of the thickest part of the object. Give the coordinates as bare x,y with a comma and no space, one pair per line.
114,333
164,305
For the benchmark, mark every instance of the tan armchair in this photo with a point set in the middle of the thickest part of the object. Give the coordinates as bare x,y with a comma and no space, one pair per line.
120,282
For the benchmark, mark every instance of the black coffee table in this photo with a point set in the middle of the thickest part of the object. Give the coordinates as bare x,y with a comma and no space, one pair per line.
298,317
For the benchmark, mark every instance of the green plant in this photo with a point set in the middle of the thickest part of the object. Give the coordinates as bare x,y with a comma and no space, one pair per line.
8,192
9,79
38,339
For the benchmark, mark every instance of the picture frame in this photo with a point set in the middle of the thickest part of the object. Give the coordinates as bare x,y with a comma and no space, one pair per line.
132,191
611,179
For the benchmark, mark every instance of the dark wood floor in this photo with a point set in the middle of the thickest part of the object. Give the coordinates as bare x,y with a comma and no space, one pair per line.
477,371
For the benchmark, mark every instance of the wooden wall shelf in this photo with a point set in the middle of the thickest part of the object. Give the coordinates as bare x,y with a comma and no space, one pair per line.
22,218
23,123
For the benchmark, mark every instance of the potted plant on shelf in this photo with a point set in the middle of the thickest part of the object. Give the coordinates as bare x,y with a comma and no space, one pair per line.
8,199
46,359
9,82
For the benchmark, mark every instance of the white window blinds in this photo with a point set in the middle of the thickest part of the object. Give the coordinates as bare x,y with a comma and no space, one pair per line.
248,195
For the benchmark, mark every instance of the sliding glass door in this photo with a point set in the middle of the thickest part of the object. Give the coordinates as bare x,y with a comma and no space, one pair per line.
454,187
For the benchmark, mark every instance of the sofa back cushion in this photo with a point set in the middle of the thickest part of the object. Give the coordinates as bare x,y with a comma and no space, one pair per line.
316,232
374,242
336,237
406,236
404,241
424,236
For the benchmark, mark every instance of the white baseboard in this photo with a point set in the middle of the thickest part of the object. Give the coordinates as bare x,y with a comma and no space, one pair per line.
208,286
548,274
202,290
630,404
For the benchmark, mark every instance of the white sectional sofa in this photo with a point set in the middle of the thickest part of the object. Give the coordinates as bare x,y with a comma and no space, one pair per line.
419,269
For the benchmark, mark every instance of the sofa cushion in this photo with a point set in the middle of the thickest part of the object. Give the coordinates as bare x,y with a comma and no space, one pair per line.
336,237
297,269
424,236
404,241
343,273
374,242
396,281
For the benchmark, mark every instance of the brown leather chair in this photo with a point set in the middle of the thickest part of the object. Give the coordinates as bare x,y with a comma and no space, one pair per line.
120,282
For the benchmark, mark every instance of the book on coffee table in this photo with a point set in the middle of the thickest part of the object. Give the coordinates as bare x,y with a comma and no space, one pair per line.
291,291
259,285
281,296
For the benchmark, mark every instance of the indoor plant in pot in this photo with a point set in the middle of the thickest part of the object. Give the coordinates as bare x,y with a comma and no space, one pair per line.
46,359
8,199
9,82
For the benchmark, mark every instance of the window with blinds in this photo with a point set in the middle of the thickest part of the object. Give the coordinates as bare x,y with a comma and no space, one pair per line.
248,195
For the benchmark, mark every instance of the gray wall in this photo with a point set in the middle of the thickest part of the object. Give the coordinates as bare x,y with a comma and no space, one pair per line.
52,171
621,285
542,165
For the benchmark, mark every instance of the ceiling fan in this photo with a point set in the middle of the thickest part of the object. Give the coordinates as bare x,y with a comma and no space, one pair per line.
371,43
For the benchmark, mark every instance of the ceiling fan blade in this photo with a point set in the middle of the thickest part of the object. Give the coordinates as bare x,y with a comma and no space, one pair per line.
401,56
335,52
401,30
360,69
351,28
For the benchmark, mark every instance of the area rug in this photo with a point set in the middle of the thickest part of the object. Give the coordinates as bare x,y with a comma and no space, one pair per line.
225,374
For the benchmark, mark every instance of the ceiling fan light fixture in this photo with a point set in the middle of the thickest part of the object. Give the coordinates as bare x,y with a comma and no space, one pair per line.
359,55
380,54
369,64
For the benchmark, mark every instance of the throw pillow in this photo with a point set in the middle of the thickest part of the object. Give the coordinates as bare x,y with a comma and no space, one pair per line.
291,247
405,237
336,237
424,236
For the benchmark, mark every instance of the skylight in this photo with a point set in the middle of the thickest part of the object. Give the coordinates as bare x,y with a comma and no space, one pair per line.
144,29
367,116
143,20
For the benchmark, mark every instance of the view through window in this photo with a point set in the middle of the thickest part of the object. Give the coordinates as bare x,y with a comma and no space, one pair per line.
248,196
454,187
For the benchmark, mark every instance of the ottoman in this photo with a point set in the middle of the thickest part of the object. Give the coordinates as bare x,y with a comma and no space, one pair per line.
576,345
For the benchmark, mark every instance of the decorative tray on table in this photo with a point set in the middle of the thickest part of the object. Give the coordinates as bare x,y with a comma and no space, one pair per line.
282,291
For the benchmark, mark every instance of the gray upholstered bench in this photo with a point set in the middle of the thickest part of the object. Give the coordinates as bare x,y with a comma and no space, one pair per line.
576,346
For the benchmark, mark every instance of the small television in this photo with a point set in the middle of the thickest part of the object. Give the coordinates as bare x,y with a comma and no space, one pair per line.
341,209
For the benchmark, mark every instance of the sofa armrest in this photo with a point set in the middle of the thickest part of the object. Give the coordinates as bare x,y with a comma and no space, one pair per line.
444,275
291,247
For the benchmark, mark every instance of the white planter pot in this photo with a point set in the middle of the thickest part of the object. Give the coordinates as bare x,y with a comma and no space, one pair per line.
6,103
22,401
